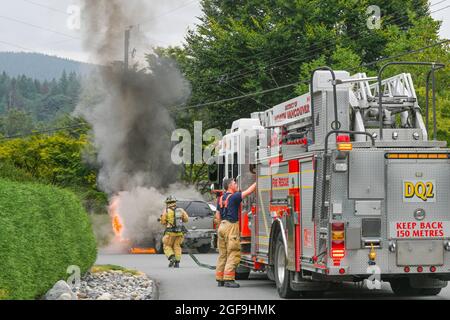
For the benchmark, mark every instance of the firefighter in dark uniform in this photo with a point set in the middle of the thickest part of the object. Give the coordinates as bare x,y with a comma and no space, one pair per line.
228,233
173,219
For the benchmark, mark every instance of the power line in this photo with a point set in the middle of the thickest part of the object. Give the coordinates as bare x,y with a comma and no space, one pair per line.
258,102
78,38
299,82
166,13
433,4
440,9
278,64
236,98
228,99
34,133
15,45
404,54
46,7
39,27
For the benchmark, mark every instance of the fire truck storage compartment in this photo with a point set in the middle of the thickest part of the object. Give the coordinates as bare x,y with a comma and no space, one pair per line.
306,192
366,175
261,226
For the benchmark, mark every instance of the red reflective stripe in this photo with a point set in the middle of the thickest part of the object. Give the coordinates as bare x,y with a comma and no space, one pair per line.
226,201
230,273
221,204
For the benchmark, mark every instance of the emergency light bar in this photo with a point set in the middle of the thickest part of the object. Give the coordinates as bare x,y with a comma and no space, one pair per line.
417,156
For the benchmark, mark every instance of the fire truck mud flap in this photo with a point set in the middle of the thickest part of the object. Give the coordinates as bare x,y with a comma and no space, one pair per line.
306,285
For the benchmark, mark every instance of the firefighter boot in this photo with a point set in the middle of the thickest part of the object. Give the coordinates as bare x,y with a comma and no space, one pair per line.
172,261
177,264
231,284
220,283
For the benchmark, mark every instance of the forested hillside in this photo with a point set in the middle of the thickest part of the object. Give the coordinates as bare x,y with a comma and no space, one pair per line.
39,66
27,104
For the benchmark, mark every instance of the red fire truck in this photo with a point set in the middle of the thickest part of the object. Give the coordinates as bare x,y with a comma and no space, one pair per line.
352,185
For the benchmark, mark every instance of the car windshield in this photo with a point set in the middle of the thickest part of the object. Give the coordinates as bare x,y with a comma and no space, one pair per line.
195,208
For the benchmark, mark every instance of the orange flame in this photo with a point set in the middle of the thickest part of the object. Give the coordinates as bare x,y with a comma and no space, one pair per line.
116,219
117,224
142,250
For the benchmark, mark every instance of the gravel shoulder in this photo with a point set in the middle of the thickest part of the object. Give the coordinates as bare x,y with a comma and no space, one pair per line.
107,282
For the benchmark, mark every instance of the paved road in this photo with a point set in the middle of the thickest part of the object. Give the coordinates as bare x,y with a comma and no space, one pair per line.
193,282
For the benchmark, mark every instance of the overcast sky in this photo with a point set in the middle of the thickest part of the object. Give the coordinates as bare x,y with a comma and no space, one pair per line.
41,25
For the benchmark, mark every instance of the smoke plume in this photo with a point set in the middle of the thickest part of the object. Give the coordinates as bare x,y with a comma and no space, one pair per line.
128,114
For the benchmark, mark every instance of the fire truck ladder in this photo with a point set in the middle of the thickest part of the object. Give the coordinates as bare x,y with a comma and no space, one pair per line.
404,84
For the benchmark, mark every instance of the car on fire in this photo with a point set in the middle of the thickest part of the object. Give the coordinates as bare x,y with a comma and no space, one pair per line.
200,228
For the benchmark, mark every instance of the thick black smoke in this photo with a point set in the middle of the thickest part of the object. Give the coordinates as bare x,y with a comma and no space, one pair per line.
131,123
128,112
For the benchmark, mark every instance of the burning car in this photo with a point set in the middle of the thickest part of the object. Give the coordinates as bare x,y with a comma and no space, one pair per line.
200,226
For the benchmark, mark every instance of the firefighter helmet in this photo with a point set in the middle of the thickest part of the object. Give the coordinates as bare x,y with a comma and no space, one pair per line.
171,200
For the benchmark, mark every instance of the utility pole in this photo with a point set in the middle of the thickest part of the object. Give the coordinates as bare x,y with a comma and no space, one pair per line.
127,47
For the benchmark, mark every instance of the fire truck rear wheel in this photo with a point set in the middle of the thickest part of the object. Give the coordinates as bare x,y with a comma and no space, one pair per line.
313,294
402,287
431,291
271,272
282,274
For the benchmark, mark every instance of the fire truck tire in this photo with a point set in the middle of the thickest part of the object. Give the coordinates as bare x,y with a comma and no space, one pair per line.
313,294
242,273
282,274
402,287
431,291
271,273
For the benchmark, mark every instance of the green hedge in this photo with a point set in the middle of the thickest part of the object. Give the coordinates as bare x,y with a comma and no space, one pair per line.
43,230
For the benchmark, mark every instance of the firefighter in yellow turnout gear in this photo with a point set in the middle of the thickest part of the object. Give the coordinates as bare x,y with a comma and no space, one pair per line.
229,241
173,219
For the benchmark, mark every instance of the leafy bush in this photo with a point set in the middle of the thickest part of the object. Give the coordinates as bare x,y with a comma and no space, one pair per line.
9,171
43,230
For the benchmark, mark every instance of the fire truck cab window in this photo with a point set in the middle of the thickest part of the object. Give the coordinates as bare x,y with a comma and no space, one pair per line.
221,170
235,165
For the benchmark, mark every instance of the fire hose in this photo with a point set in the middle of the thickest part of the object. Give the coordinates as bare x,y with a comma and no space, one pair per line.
201,265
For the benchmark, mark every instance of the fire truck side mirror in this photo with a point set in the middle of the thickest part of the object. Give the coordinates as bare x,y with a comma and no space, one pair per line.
238,180
212,173
252,168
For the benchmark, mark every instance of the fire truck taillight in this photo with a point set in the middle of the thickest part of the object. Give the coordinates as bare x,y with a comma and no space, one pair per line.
343,143
337,242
